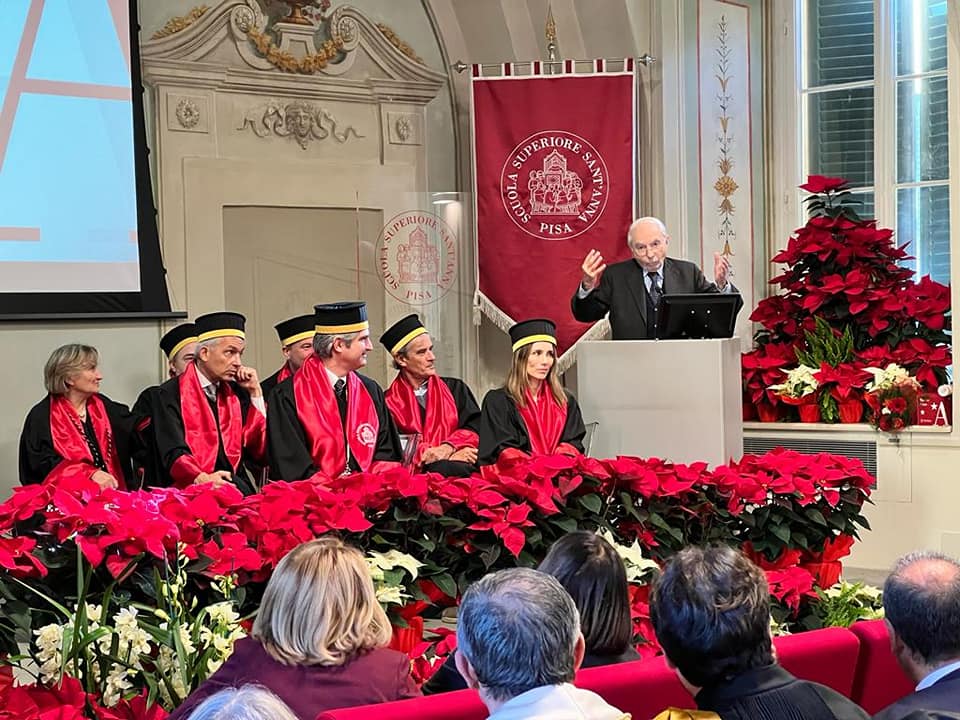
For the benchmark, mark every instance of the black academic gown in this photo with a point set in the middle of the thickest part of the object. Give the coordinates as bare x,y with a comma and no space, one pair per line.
270,383
147,463
170,442
772,693
501,426
622,292
38,456
468,418
289,449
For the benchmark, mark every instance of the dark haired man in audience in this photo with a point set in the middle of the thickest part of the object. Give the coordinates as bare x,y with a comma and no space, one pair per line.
328,419
296,344
711,613
519,644
921,603
441,411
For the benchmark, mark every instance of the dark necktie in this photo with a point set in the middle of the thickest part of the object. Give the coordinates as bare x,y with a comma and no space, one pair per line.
340,389
656,292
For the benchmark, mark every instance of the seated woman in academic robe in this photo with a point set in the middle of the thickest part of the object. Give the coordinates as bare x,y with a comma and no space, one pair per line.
319,640
590,569
531,414
75,430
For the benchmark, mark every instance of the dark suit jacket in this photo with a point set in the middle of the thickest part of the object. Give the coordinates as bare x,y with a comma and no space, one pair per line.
943,695
622,293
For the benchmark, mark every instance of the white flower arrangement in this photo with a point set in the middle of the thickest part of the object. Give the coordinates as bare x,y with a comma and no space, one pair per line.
170,648
889,377
800,381
387,570
639,568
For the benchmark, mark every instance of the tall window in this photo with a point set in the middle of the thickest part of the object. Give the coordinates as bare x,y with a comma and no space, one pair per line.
874,92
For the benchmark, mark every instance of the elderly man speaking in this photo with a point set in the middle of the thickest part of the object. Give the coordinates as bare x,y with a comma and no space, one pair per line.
631,290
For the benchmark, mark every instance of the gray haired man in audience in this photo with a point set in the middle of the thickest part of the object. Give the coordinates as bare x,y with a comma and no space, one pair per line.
519,643
921,602
711,612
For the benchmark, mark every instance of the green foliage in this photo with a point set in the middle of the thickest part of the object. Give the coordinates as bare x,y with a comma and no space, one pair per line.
826,345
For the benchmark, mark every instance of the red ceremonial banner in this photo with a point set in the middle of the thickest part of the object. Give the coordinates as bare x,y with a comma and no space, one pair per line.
554,158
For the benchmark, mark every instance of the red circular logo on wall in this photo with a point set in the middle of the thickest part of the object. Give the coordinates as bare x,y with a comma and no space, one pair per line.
554,185
417,257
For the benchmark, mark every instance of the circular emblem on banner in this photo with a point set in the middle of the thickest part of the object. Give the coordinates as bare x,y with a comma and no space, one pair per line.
554,185
366,434
417,257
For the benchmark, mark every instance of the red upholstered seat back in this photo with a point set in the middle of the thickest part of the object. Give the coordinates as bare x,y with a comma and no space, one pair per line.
879,681
642,688
827,656
463,704
645,687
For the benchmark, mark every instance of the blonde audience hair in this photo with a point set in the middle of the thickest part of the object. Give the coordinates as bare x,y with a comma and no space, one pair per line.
65,362
250,702
516,382
320,606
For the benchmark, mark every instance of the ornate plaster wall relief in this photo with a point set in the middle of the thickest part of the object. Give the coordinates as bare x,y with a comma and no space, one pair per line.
404,128
299,120
180,22
187,113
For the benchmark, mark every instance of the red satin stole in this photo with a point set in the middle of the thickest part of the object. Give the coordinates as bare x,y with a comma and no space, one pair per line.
69,441
200,430
441,424
284,373
544,421
320,416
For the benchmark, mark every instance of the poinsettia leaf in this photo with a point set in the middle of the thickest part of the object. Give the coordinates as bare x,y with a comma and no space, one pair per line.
781,531
446,583
591,502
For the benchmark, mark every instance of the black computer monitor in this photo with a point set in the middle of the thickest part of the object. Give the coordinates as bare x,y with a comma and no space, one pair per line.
697,315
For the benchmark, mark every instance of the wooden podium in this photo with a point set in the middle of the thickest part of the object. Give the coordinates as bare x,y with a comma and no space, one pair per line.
674,399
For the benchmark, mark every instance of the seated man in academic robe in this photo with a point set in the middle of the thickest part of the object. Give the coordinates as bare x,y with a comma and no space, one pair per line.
440,411
209,424
179,346
328,419
711,613
296,343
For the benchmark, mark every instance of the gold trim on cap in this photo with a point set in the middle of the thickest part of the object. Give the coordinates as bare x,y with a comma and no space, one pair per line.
342,329
407,338
298,337
531,339
226,332
180,345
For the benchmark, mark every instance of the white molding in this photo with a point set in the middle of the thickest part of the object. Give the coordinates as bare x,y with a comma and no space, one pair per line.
673,188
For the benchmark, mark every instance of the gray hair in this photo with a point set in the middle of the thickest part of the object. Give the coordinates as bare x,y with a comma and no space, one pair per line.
921,601
209,343
644,221
518,628
65,362
250,702
323,344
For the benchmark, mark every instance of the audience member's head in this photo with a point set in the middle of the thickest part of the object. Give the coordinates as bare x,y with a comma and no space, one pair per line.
921,603
517,630
250,702
590,569
320,606
711,613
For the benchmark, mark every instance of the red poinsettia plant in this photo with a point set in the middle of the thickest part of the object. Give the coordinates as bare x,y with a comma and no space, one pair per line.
846,301
75,540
